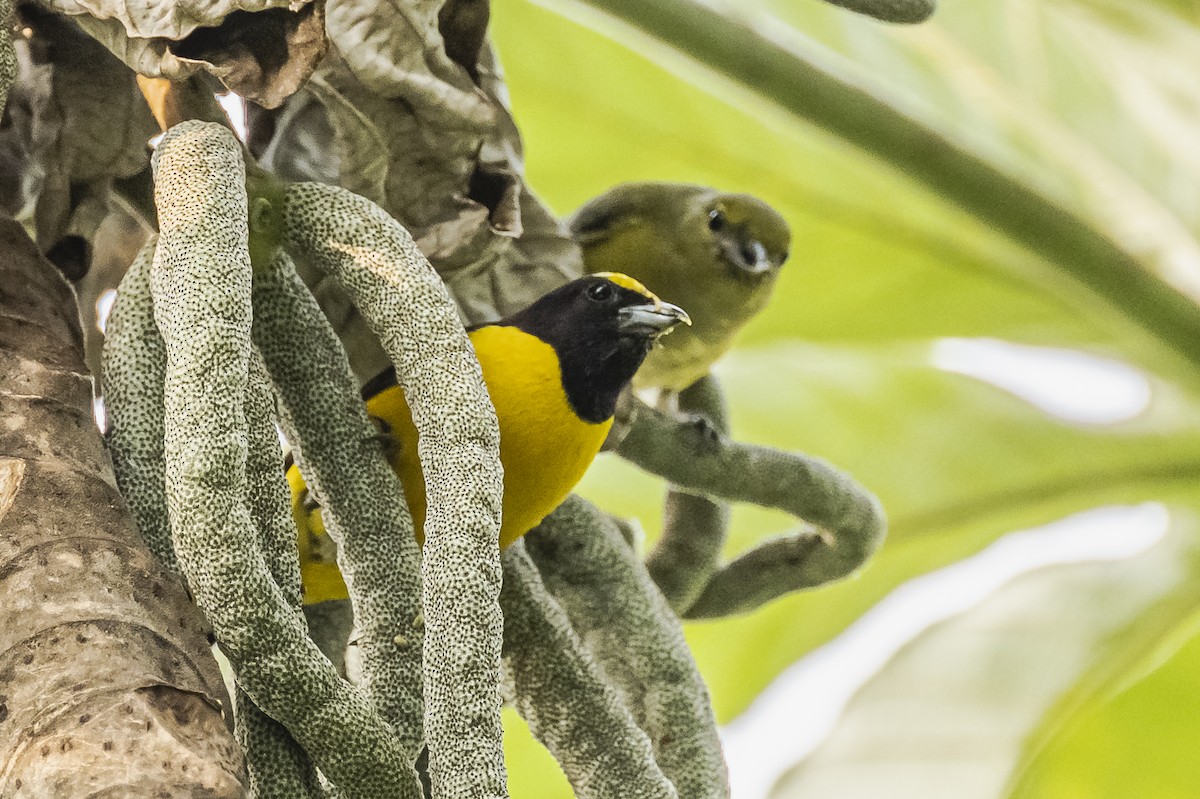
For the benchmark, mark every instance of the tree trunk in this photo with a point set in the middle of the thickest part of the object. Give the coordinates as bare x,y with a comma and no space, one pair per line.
108,686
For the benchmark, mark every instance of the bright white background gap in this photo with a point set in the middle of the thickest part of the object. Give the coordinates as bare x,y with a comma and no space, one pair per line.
799,709
235,109
1068,384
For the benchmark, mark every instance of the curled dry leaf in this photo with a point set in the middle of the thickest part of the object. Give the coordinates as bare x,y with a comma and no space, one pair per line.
81,123
78,124
264,57
262,49
463,26
396,50
359,141
459,190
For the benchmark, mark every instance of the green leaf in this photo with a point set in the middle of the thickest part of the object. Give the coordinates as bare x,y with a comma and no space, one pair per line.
1085,110
876,256
948,715
1140,743
950,481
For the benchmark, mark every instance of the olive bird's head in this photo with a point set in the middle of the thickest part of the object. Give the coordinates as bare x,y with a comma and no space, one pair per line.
751,238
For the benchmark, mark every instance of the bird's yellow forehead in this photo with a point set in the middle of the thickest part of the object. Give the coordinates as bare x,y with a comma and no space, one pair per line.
626,282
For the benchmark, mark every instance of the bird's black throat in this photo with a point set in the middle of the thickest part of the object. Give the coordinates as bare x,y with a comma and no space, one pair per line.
596,357
595,374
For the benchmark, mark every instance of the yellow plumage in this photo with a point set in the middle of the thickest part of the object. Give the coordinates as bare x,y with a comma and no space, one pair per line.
544,448
553,372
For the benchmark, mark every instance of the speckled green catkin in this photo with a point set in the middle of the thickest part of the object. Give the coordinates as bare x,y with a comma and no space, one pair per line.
362,503
409,309
631,632
279,767
268,493
134,368
563,697
201,284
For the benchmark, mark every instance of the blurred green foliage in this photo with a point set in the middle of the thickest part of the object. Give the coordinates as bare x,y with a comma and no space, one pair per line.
1093,103
1141,743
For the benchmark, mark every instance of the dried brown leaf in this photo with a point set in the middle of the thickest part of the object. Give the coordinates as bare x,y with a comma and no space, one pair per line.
164,19
463,25
396,50
461,194
95,124
362,150
87,124
262,49
265,57
388,111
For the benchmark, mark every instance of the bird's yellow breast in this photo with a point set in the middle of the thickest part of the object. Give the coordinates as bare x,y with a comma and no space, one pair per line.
545,448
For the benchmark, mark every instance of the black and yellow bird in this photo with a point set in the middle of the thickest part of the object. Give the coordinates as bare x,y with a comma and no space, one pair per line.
716,254
554,371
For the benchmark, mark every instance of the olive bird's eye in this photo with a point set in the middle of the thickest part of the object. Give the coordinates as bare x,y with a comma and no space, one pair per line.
716,221
600,292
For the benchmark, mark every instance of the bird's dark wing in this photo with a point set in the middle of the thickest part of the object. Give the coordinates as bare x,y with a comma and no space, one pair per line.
383,380
596,220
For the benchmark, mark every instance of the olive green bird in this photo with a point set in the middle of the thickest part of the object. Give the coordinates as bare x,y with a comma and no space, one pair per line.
717,254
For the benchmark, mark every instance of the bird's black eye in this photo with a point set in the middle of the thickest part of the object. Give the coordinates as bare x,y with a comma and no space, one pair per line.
716,221
600,292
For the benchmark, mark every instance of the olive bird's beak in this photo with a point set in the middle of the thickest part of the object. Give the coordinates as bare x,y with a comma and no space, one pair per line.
756,258
747,256
652,319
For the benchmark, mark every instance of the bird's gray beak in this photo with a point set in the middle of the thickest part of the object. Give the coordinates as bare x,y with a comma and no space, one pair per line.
747,256
651,319
756,258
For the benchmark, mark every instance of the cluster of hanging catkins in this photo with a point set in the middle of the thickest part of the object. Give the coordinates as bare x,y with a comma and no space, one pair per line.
207,350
